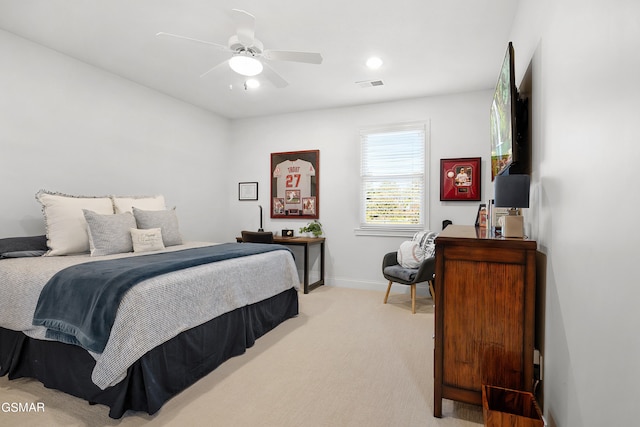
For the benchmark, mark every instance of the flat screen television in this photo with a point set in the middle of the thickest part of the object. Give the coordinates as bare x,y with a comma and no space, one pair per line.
508,122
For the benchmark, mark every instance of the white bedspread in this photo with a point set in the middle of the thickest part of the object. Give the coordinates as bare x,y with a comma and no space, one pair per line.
155,310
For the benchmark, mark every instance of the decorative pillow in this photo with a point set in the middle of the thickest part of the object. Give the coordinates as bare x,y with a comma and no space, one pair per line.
146,240
410,255
427,241
126,204
166,220
65,223
109,234
22,254
22,244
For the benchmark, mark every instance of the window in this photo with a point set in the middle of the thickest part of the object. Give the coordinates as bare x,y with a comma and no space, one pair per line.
393,180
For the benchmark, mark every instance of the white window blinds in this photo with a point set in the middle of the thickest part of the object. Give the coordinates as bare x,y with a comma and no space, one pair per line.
393,177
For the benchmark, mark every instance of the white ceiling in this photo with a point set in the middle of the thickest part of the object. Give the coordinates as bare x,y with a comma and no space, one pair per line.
429,47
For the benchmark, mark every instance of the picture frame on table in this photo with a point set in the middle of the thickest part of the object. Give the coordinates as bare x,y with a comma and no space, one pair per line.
248,191
481,216
460,179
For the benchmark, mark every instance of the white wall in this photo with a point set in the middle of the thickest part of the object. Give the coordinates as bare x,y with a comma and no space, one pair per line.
585,67
459,127
69,127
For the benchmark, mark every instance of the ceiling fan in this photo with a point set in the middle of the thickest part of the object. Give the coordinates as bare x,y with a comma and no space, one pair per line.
249,53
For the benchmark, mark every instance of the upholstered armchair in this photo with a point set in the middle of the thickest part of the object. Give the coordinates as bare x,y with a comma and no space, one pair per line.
395,273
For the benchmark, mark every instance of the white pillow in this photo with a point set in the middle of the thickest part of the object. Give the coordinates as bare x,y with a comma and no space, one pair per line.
410,254
126,204
146,240
65,223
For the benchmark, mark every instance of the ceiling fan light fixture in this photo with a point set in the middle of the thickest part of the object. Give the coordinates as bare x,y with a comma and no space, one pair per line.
245,65
251,84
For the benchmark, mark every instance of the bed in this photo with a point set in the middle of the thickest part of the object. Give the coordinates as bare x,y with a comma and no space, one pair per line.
168,330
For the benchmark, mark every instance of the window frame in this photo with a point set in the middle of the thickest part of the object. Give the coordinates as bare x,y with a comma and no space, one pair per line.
395,230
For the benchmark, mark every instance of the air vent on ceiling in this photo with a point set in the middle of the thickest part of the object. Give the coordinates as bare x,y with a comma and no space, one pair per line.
370,83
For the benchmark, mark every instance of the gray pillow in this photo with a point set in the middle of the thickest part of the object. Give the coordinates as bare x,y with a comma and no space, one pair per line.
166,221
16,245
109,234
22,254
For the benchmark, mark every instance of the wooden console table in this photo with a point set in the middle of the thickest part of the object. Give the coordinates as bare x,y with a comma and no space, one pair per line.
306,242
484,314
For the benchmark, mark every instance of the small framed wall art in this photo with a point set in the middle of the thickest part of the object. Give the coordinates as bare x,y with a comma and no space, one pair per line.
248,191
294,184
460,179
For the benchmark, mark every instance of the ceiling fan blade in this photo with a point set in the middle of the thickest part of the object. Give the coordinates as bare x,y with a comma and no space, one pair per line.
284,55
246,24
219,46
214,68
275,78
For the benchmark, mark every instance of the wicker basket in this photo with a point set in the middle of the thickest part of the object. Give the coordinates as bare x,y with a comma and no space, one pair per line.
504,407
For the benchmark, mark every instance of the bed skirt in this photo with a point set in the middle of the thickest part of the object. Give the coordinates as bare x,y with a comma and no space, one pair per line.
158,375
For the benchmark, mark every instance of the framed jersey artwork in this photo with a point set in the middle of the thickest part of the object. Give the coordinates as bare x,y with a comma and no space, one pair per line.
294,184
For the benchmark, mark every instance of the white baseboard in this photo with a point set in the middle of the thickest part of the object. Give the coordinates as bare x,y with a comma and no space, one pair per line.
422,289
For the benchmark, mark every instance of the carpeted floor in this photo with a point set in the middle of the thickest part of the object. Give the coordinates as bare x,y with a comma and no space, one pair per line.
346,360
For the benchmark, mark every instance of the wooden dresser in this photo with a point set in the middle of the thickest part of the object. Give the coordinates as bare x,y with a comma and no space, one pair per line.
484,314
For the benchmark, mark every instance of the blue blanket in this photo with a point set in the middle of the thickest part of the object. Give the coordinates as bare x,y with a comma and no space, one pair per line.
78,305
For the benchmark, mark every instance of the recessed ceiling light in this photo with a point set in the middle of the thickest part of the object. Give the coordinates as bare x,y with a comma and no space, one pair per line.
374,62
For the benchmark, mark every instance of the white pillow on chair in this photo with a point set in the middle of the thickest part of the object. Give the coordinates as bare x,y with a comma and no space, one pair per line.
410,254
427,242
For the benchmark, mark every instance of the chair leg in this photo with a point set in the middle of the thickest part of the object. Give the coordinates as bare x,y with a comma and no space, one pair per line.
413,298
387,294
432,290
